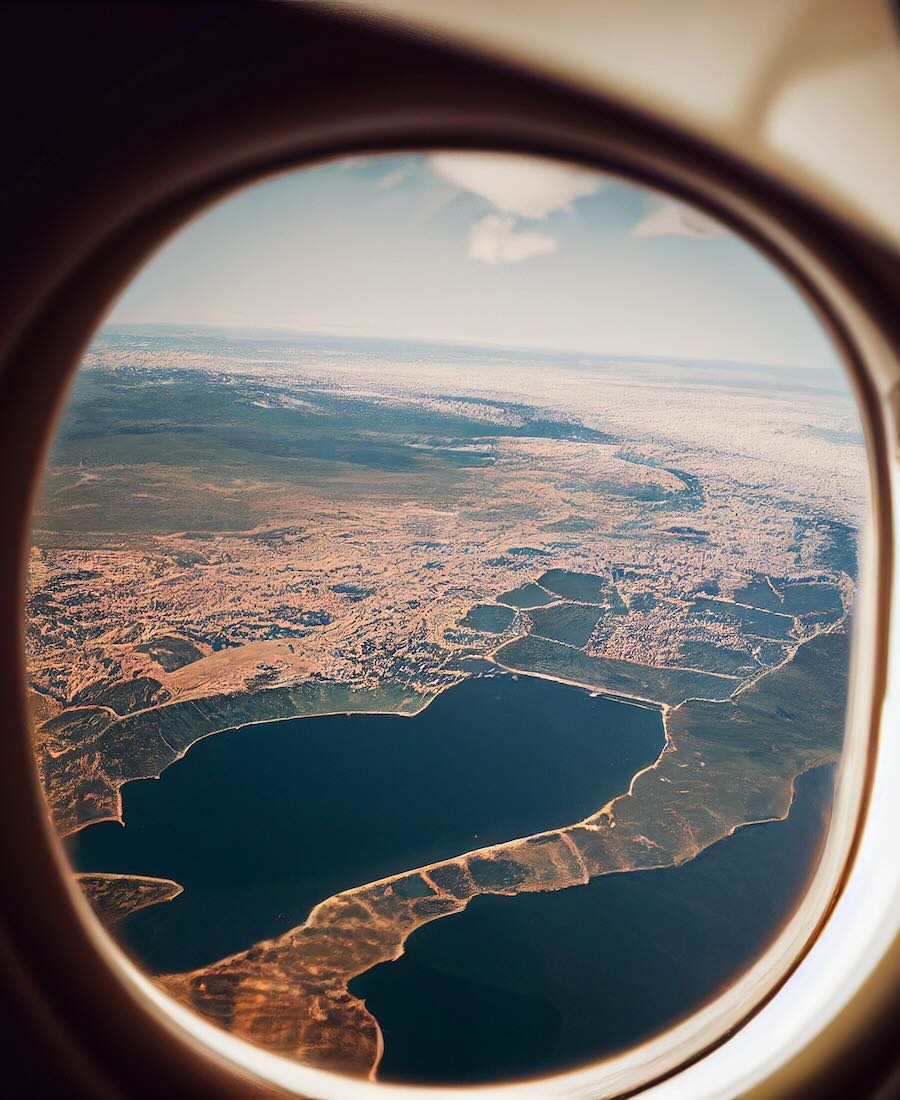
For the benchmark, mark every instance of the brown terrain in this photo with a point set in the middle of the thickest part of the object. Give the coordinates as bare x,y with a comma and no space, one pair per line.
290,994
172,597
115,896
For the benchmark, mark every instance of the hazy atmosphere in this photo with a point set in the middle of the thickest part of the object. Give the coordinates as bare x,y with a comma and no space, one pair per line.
478,248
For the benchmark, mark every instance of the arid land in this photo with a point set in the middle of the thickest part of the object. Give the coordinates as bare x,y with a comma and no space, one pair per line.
226,538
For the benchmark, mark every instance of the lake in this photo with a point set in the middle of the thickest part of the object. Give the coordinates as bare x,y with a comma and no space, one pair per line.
261,823
527,985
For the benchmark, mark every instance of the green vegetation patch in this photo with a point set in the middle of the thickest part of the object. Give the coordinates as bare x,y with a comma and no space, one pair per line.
152,438
792,597
125,696
489,617
759,593
717,658
412,886
750,620
74,728
586,587
729,763
141,745
180,724
571,623
495,875
170,651
806,597
526,596
658,685
757,743
451,878
770,653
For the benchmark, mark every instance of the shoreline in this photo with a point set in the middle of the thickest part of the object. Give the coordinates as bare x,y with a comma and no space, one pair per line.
491,658
180,754
617,697
321,916
110,910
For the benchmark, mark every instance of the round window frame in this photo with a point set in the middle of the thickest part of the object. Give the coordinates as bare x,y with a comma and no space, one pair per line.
144,207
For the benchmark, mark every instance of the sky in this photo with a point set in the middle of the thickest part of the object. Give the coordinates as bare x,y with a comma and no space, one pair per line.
478,248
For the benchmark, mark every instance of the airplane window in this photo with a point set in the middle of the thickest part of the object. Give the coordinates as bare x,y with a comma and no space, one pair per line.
439,614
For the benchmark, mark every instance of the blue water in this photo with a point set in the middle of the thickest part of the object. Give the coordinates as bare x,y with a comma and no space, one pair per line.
519,986
261,823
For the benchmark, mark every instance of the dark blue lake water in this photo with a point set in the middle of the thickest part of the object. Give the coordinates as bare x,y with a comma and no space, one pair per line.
261,823
519,986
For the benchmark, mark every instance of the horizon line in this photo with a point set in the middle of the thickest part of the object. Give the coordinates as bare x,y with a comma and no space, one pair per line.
485,343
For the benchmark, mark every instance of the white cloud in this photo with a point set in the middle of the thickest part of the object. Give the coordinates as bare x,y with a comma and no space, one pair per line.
525,186
495,240
517,187
392,179
672,218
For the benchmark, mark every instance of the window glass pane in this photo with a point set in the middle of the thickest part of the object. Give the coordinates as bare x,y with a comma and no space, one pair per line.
500,520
